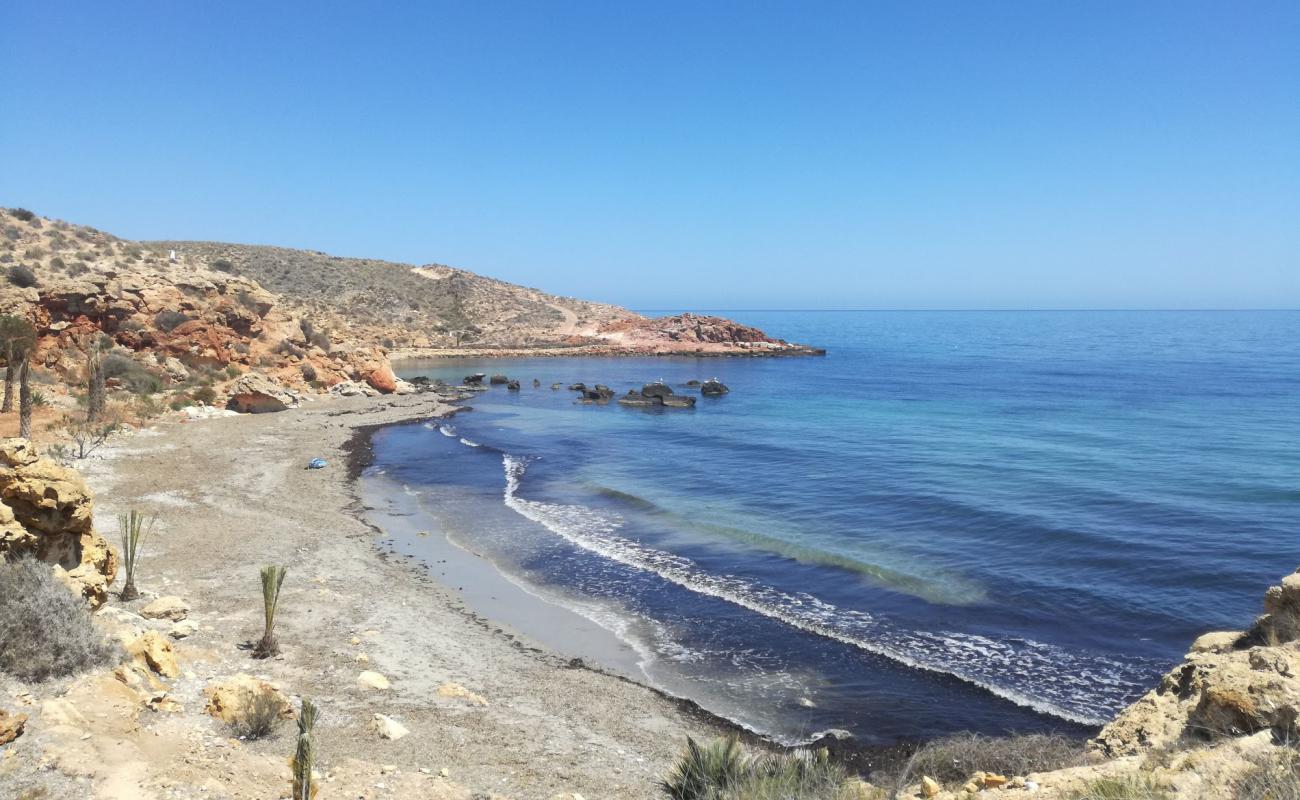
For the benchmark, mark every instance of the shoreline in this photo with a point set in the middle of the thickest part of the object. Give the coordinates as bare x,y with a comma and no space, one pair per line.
856,755
530,724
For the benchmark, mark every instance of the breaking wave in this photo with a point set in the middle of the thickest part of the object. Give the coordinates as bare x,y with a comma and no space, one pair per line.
1080,687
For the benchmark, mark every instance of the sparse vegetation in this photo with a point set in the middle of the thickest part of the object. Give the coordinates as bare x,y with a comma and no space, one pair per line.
723,770
22,276
304,757
272,580
1273,778
86,436
18,337
1131,787
222,265
131,374
46,629
168,321
205,395
308,372
952,759
134,528
259,716
22,214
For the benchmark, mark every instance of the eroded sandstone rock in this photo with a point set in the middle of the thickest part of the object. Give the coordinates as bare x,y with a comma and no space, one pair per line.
231,699
46,510
1231,684
257,394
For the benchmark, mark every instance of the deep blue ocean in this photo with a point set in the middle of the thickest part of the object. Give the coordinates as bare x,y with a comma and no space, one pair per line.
991,521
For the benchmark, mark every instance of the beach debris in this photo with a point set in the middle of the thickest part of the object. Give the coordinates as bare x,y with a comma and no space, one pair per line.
388,728
169,607
456,691
929,786
373,680
713,388
317,463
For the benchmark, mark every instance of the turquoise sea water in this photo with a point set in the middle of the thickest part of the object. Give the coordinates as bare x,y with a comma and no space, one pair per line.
953,521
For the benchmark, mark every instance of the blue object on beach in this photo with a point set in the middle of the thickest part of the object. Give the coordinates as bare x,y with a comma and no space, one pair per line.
316,463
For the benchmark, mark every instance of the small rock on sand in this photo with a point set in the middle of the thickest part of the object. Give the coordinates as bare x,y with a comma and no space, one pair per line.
372,680
183,629
389,728
172,608
458,692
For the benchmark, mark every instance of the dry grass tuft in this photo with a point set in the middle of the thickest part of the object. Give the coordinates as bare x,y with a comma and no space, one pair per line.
45,629
953,759
1132,787
259,717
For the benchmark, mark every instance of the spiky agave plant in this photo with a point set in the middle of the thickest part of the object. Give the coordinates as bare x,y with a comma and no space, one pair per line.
272,579
304,756
135,527
705,771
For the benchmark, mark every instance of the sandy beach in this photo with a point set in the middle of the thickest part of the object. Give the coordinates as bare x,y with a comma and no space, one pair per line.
232,494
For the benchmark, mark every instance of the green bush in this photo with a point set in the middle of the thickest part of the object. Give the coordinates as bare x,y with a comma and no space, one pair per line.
22,276
46,629
131,374
23,214
169,320
222,265
723,770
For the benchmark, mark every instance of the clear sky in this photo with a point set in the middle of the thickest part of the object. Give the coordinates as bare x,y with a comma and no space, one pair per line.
915,154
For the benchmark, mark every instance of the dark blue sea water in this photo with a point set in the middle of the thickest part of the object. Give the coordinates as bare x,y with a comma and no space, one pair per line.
953,521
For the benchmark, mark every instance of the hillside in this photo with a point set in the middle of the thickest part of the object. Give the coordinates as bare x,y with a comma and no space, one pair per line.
409,306
187,320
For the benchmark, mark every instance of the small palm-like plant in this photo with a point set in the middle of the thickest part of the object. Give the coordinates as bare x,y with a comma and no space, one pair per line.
706,770
135,527
272,580
305,754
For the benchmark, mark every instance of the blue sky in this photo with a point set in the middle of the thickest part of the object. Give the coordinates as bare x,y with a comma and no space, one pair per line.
690,154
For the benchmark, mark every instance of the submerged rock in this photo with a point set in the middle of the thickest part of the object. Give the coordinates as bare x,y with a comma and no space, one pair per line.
513,386
497,380
476,379
656,389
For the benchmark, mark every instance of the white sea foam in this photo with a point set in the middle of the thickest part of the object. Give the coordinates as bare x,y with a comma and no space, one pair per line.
468,443
1081,687
447,430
